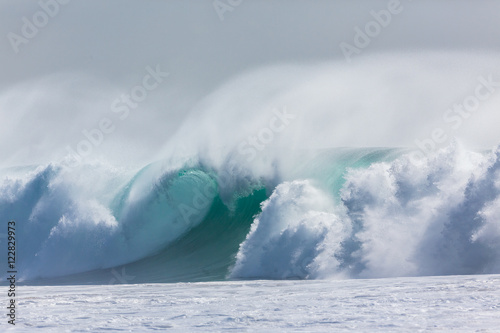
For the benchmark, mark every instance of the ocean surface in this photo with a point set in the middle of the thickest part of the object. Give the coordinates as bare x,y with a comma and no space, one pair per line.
419,304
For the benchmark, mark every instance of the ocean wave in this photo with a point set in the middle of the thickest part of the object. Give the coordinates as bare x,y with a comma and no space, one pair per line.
339,213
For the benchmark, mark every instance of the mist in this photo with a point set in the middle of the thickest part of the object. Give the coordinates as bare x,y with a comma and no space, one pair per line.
227,72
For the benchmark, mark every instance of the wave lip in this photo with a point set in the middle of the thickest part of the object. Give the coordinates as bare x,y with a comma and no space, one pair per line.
69,223
153,213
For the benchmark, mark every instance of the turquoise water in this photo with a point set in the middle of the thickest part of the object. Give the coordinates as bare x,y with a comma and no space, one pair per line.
339,212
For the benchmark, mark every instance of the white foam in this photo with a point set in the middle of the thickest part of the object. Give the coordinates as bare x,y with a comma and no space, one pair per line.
288,234
393,219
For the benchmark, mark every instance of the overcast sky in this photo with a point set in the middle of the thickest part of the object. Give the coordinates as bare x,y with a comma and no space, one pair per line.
65,77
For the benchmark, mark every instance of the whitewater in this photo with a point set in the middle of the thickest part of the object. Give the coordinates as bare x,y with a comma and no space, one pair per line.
424,304
340,213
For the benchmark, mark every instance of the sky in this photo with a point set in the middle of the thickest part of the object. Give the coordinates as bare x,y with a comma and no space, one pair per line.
229,60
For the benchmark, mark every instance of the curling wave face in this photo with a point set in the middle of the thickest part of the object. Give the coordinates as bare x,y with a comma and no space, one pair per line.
337,213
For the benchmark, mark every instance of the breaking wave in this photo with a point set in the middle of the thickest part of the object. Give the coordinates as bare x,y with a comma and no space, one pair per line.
253,182
369,213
